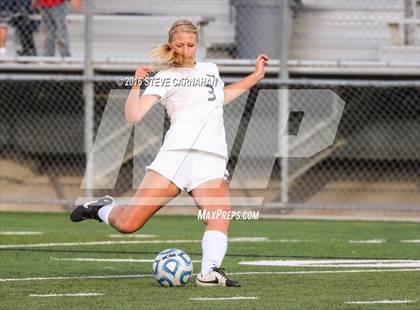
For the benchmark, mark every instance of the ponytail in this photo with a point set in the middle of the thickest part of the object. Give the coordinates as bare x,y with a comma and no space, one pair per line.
167,57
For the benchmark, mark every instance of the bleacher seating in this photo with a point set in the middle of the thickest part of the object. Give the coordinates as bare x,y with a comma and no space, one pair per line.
138,26
346,30
322,31
126,37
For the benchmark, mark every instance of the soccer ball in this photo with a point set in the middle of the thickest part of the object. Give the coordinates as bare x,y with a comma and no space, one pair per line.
172,267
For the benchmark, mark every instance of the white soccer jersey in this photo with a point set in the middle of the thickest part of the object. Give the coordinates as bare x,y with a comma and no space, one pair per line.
193,98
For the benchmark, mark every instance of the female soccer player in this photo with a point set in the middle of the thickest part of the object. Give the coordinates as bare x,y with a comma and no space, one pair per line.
193,156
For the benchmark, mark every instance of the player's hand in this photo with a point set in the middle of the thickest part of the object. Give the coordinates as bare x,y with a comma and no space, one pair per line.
142,72
260,63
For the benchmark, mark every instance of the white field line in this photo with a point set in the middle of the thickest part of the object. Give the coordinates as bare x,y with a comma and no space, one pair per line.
342,263
332,261
223,298
132,236
78,278
391,265
291,240
67,295
54,244
110,260
20,233
323,271
405,301
232,273
410,241
252,239
41,245
368,241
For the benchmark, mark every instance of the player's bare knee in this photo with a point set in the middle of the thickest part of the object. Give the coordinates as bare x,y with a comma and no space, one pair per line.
127,229
129,226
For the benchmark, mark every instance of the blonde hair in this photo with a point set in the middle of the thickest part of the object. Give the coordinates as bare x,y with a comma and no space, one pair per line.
165,55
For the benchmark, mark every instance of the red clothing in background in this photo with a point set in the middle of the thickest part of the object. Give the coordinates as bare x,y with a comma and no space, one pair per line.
50,3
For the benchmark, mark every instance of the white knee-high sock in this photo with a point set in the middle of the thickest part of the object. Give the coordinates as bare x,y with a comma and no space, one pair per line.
104,212
214,246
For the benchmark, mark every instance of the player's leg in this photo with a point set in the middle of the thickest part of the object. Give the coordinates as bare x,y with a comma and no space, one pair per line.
154,192
213,198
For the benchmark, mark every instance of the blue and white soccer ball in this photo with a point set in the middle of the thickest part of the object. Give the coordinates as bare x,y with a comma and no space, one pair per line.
172,267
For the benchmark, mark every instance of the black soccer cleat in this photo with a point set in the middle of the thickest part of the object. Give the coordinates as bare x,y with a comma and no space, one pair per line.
216,277
89,210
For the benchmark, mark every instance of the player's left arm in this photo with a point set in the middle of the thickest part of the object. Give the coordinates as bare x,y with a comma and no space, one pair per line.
234,90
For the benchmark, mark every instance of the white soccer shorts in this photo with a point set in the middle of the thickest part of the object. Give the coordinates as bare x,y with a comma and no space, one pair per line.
188,169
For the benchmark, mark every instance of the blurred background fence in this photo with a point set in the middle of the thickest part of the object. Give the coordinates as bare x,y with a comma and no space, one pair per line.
367,52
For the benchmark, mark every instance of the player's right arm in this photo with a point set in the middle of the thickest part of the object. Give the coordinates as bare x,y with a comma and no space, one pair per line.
137,106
